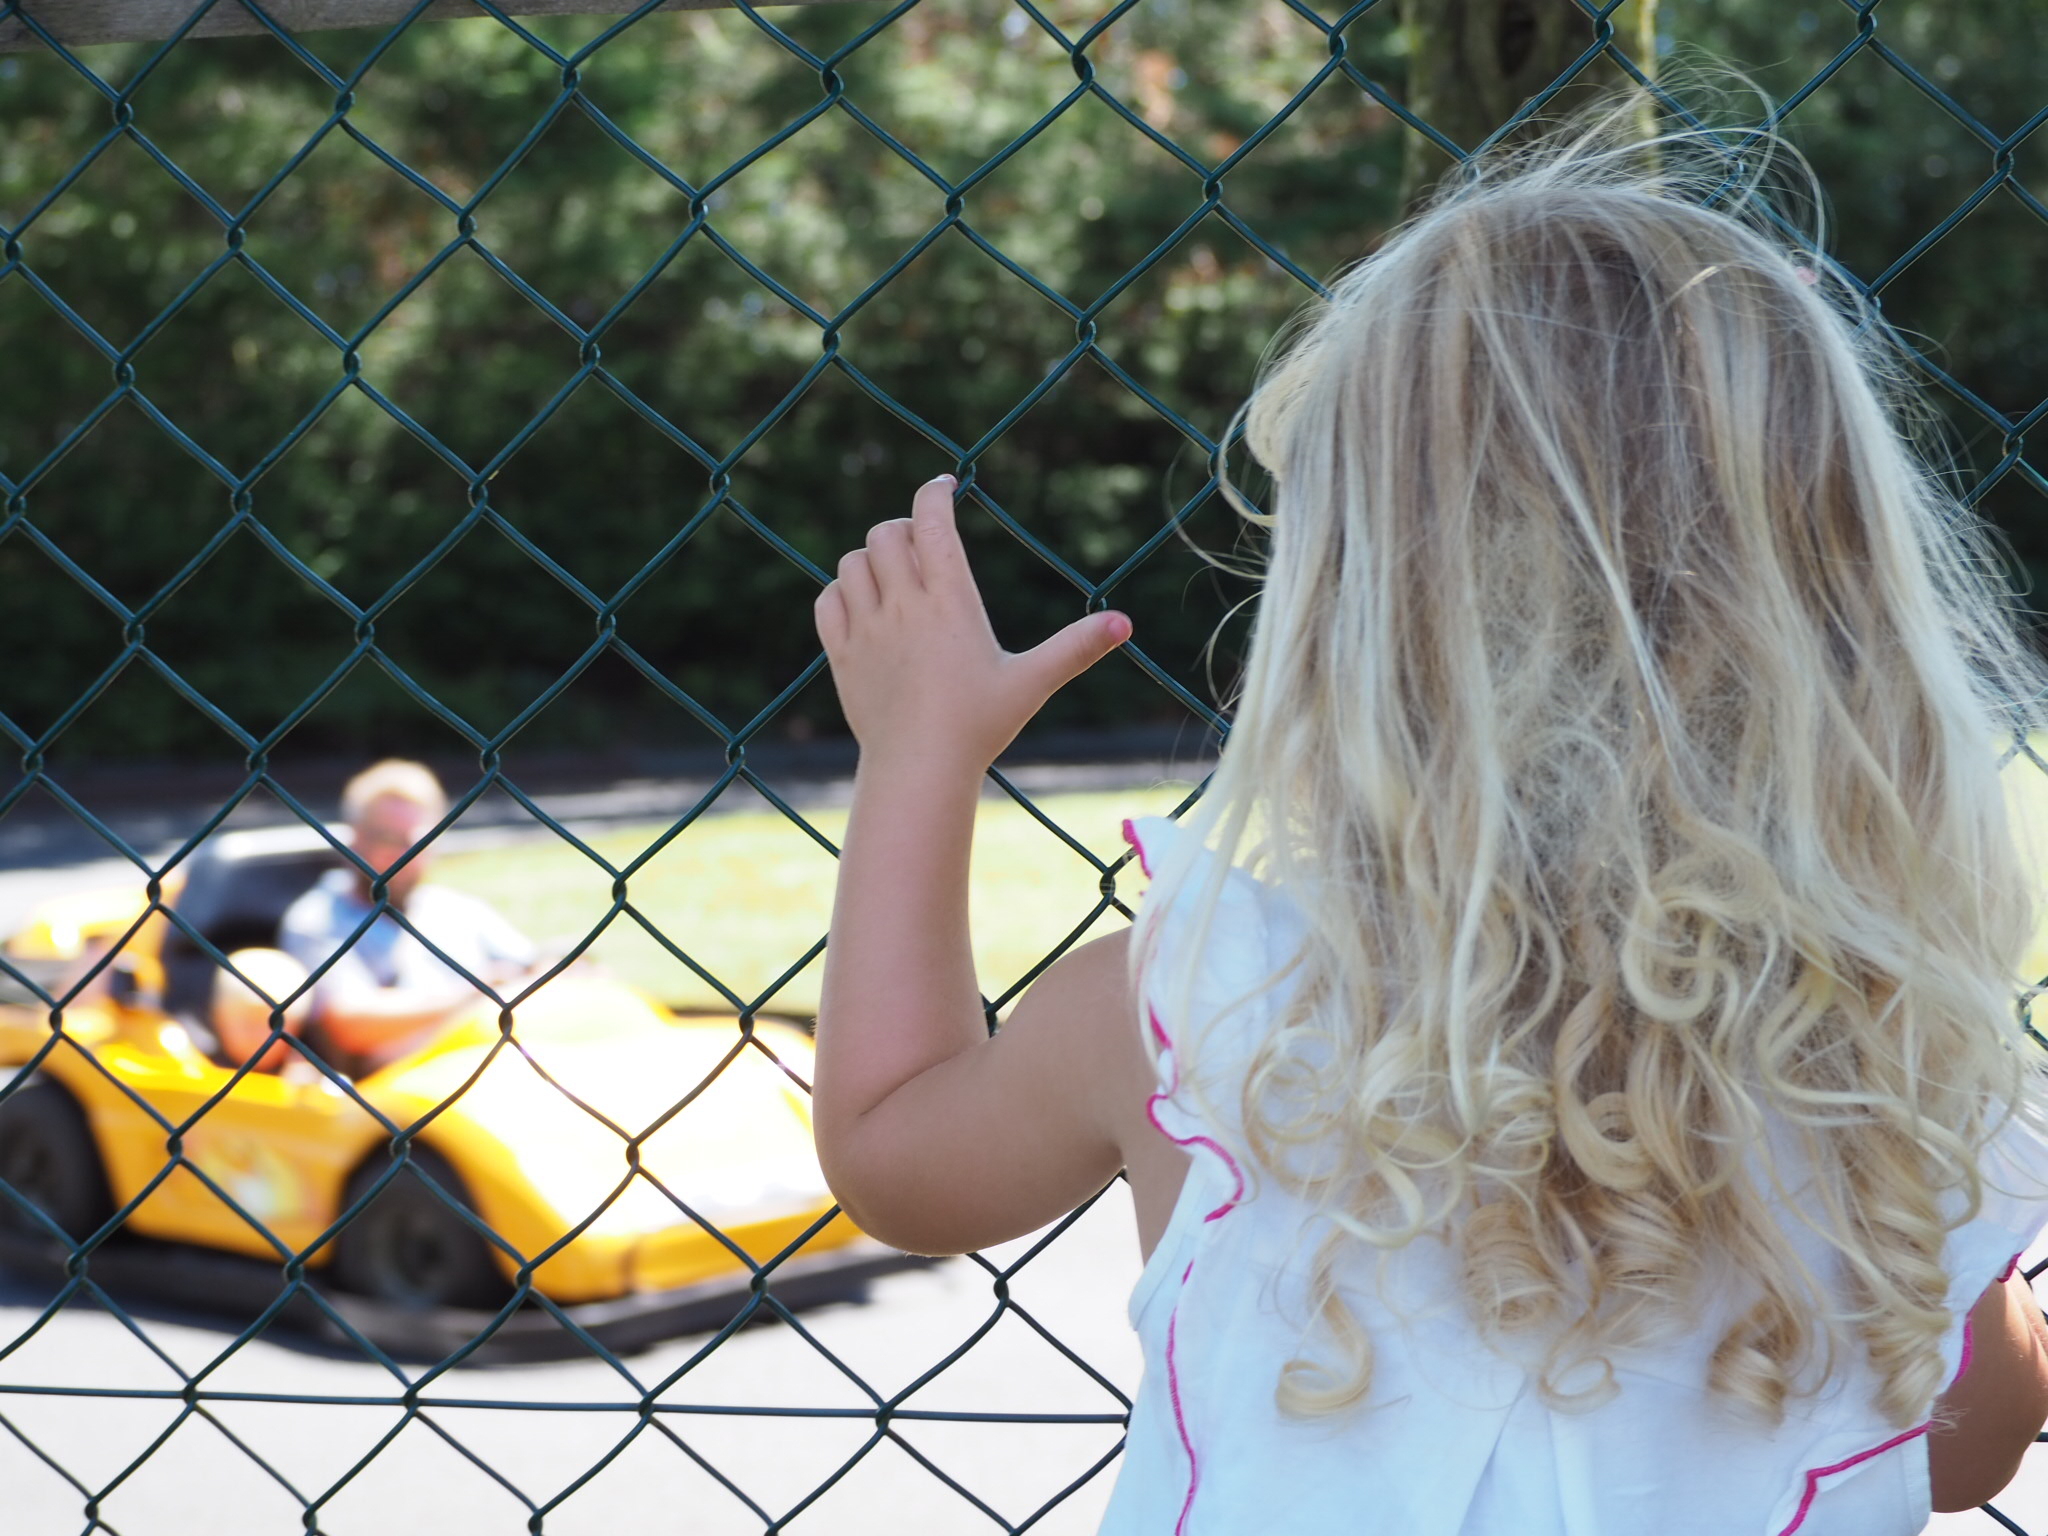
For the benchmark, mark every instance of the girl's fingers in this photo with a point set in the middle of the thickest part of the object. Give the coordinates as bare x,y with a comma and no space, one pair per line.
829,612
890,555
1057,661
857,581
939,553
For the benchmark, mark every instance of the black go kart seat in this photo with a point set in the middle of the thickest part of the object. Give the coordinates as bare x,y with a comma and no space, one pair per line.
237,886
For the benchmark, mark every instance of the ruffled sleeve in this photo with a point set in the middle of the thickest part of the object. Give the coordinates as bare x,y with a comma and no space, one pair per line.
2011,1219
1204,1012
1236,952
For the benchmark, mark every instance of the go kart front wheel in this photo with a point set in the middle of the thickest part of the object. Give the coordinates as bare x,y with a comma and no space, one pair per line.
409,1248
48,1157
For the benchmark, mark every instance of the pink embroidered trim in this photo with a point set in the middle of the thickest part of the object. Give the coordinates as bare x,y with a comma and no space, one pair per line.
1166,1051
1167,1054
1210,1143
1969,1342
1131,838
1814,1476
1180,1422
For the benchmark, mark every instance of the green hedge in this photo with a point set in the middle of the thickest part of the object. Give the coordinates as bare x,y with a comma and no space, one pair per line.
1092,470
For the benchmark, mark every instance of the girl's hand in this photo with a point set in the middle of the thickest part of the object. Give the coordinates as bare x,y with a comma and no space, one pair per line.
916,664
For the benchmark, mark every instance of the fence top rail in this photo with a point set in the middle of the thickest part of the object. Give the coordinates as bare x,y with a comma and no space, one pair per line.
76,23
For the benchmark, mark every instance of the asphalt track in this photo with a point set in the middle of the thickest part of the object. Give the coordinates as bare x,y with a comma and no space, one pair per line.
554,1420
198,1483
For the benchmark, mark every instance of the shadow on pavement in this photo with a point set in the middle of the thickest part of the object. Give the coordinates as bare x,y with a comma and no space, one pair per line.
173,1282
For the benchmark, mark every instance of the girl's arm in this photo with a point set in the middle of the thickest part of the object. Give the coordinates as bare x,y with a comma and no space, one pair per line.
1985,1422
933,1135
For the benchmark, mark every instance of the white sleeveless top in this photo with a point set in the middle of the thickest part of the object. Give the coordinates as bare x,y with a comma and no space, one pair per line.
1454,1439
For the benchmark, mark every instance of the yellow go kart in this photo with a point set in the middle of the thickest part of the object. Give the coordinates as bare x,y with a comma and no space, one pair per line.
631,1165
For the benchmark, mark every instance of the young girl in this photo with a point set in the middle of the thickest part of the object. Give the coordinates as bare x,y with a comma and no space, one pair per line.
1567,1066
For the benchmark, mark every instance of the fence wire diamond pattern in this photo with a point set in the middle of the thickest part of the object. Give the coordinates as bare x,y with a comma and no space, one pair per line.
432,1408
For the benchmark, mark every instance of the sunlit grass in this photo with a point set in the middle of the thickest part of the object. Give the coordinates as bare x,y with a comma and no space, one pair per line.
746,895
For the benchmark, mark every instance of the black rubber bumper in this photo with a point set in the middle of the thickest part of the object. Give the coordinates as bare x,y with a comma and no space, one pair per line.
166,1279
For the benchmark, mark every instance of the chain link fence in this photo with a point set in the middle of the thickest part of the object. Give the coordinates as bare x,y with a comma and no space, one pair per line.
1323,75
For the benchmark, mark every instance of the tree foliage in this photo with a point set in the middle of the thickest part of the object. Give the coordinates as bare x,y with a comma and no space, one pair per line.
367,489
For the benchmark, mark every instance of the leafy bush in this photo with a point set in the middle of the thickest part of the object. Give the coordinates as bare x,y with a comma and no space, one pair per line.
469,383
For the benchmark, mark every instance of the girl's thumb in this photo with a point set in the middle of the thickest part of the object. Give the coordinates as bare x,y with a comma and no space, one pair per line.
1064,656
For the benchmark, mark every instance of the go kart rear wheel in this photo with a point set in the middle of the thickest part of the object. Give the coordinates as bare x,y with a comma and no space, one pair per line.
48,1156
409,1248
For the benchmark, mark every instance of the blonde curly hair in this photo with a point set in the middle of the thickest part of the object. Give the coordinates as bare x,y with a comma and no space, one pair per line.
1621,714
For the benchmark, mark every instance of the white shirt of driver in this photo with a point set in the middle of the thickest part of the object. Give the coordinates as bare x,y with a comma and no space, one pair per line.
385,956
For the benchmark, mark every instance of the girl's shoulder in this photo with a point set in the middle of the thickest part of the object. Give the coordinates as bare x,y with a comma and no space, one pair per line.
2012,1211
1249,932
1152,838
1215,966
1165,847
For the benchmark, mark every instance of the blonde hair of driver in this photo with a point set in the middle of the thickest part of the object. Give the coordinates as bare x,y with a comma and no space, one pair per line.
393,778
1622,714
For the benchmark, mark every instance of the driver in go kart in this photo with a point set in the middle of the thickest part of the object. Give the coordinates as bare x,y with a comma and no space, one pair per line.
388,993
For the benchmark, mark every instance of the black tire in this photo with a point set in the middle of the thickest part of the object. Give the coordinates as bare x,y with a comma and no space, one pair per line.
49,1157
408,1248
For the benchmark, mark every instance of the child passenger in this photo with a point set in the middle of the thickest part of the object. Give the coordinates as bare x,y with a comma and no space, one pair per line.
1567,1065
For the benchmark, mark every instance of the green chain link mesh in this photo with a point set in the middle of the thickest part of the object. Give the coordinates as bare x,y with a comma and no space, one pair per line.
664,1408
